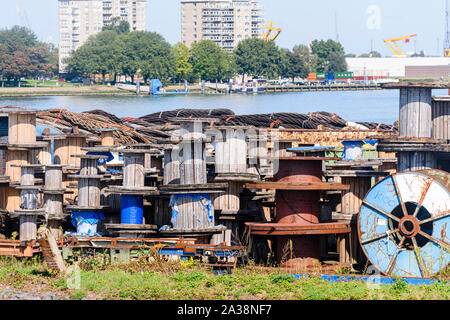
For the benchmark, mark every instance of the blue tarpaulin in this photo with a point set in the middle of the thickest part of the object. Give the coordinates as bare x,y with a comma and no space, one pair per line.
203,198
86,221
156,85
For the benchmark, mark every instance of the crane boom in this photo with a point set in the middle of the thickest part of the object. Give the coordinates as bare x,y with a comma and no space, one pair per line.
398,52
272,27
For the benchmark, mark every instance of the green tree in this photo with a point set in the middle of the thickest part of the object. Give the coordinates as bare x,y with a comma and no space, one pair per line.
257,57
184,66
22,55
336,63
307,61
209,61
97,56
148,52
18,37
330,56
117,25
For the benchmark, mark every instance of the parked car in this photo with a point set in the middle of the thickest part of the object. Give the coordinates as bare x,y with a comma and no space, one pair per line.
77,80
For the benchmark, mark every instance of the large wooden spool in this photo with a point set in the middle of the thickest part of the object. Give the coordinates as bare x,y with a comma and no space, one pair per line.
22,127
132,191
231,166
185,179
420,118
107,136
88,183
53,198
29,203
415,112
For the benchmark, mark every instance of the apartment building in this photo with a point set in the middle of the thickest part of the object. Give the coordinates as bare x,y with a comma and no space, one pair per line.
226,22
79,19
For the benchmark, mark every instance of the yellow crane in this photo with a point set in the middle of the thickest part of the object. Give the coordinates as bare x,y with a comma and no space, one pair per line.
398,52
272,27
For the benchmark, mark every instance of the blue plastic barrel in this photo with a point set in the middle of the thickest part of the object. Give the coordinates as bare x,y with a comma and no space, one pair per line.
132,209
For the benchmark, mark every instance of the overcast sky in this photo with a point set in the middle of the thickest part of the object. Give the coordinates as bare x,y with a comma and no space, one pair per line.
361,24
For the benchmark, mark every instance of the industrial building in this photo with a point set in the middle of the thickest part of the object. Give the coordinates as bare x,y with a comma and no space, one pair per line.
79,19
226,22
431,67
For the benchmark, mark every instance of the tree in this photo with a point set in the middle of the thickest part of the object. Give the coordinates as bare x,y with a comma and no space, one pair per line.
148,52
209,61
18,37
257,57
307,58
330,56
117,25
184,66
97,56
336,63
109,52
22,55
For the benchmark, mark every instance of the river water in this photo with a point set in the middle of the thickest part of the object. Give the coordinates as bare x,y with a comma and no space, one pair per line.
373,106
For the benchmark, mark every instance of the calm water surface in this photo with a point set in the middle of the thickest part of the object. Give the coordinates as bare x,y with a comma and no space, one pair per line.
374,106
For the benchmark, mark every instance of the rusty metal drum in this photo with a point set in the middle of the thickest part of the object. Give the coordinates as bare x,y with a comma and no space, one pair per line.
404,224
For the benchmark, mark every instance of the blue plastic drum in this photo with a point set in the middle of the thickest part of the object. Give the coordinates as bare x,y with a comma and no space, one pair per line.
132,209
404,224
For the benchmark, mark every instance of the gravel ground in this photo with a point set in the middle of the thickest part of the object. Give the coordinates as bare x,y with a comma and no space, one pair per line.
7,293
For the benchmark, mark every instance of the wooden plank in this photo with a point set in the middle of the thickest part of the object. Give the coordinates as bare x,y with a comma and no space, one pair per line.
302,186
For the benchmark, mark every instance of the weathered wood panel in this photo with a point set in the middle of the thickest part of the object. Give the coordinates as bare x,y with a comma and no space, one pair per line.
415,112
412,161
441,118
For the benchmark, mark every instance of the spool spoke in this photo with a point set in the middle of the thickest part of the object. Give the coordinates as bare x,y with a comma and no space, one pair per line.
445,215
379,236
417,210
392,262
394,257
439,242
381,211
405,212
422,266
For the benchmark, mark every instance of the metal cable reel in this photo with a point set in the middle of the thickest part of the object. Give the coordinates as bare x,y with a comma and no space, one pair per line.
404,224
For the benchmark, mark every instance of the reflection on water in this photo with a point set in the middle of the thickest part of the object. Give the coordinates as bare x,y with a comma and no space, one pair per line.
373,106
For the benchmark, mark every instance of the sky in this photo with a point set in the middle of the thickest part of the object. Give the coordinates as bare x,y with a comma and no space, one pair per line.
361,25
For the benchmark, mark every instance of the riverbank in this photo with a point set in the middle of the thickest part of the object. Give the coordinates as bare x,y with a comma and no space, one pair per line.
70,90
61,90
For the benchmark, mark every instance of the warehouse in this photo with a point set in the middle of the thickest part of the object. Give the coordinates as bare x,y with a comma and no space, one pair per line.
393,67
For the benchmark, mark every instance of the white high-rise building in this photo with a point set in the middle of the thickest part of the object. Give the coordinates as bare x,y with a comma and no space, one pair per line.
226,22
79,19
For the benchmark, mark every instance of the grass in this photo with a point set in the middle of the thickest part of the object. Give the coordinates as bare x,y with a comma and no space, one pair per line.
161,280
